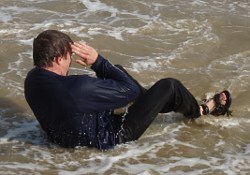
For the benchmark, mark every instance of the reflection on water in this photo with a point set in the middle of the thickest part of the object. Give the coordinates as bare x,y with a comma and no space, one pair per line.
205,44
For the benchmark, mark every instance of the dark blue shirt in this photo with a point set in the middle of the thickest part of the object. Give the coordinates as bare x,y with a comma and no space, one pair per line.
75,110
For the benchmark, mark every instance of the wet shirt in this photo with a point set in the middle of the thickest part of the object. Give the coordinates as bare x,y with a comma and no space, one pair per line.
75,110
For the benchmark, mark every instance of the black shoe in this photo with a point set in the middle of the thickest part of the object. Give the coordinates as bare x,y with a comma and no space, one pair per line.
219,109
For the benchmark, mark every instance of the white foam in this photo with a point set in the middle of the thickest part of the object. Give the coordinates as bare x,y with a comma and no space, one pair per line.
145,64
10,11
199,2
27,42
19,129
25,138
96,6
22,166
5,17
226,122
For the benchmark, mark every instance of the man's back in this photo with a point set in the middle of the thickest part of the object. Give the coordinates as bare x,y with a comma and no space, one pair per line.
55,104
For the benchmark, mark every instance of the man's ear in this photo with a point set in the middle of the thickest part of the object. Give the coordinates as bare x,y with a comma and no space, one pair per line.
58,60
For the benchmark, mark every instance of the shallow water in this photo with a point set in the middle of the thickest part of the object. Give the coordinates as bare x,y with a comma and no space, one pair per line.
203,43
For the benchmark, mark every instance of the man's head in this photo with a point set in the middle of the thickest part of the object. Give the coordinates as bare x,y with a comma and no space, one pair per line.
50,45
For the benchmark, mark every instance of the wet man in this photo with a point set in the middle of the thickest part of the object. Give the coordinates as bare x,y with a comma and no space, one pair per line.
77,110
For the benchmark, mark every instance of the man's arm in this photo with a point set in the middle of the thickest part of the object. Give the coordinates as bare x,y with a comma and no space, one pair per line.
113,84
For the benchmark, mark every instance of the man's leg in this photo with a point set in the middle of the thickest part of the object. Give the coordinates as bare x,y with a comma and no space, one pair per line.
164,96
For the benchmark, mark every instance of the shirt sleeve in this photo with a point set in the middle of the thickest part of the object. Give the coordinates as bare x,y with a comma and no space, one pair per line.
112,88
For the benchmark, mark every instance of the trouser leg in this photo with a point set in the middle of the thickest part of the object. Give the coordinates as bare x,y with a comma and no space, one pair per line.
164,96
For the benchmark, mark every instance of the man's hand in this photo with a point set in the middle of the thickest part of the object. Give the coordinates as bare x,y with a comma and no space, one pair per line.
87,55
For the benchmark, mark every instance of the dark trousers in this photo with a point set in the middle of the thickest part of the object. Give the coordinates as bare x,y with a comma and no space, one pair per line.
164,96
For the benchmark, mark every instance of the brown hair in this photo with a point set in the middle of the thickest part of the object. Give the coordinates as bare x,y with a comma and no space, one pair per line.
49,45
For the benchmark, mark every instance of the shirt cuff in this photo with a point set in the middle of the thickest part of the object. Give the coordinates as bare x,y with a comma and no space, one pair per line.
97,63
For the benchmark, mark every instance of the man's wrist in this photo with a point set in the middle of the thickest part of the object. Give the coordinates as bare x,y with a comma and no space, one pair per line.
97,63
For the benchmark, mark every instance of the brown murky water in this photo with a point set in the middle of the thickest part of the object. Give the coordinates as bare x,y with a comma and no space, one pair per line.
203,43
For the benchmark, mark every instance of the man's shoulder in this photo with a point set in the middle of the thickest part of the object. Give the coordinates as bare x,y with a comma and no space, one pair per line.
40,76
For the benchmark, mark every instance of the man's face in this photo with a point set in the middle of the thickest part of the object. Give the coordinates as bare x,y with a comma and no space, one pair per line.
66,62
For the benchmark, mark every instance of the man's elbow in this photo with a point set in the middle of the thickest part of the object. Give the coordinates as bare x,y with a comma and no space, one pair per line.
135,91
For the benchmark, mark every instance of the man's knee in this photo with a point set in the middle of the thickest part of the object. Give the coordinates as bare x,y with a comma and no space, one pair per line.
170,82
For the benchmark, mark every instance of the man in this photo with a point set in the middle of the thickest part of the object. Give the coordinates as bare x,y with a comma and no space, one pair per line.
77,110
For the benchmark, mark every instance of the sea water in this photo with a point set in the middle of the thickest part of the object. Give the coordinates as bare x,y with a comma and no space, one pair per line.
203,43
